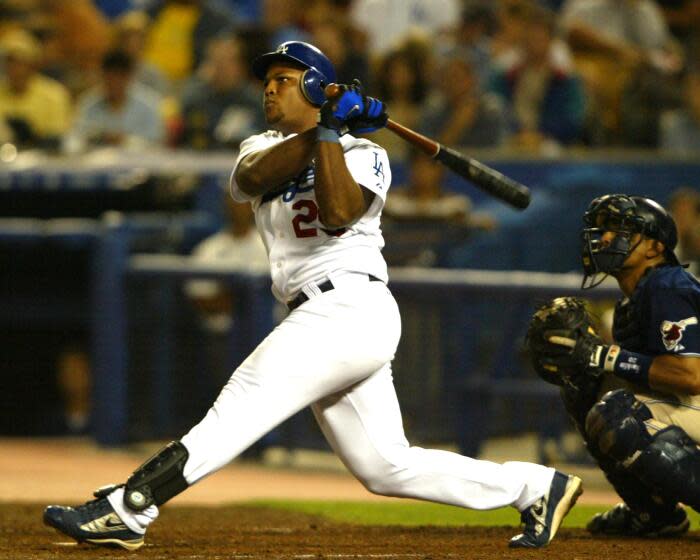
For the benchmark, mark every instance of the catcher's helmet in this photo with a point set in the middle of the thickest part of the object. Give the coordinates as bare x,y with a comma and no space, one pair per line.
319,69
625,215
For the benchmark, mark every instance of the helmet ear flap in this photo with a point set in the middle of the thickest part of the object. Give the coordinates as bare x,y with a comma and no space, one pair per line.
312,84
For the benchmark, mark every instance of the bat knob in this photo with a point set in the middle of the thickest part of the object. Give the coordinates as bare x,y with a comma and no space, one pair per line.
331,90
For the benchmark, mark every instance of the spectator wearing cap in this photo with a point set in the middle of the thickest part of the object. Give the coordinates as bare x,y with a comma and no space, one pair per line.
35,109
118,112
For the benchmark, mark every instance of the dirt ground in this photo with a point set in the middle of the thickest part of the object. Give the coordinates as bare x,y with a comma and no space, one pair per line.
247,532
197,525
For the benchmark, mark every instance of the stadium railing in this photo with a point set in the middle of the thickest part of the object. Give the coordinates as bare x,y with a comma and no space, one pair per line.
459,359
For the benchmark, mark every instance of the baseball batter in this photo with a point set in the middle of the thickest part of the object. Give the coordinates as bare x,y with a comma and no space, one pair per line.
636,401
317,192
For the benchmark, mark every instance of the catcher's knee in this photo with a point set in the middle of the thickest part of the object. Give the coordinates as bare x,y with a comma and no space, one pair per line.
615,426
158,479
671,464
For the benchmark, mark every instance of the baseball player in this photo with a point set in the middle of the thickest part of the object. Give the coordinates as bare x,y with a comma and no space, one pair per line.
637,401
317,192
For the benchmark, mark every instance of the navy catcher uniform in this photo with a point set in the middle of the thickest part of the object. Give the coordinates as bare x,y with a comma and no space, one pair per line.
637,401
317,192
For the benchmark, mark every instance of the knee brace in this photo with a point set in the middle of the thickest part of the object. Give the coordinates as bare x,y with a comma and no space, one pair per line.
158,479
615,426
671,464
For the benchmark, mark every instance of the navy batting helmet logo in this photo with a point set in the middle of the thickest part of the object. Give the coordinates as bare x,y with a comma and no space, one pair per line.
319,69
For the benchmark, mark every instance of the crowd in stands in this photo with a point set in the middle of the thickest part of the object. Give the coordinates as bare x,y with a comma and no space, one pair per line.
529,75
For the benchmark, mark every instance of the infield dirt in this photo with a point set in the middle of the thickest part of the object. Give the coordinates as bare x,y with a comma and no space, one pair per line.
248,532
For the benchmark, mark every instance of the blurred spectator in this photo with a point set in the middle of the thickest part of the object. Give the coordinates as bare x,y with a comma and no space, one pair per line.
457,112
281,22
423,220
333,37
387,22
34,108
509,33
545,98
82,38
680,129
237,248
402,86
53,64
179,32
616,42
245,11
684,206
113,9
220,106
683,19
74,383
478,25
119,112
130,31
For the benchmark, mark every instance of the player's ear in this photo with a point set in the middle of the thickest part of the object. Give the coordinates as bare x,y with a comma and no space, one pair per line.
655,248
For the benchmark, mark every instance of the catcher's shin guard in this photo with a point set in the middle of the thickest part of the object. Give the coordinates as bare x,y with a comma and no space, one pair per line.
671,465
158,479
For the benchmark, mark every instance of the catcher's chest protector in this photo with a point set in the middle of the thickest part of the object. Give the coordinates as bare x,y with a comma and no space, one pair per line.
626,325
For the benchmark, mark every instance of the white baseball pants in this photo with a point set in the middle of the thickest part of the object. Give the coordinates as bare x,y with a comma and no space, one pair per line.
334,353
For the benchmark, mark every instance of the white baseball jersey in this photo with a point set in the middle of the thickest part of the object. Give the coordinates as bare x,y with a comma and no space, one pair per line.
301,250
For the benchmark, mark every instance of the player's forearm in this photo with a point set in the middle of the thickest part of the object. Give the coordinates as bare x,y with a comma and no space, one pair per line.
675,374
340,199
267,169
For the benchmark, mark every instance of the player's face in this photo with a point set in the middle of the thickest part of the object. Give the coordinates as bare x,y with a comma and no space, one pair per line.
639,245
286,109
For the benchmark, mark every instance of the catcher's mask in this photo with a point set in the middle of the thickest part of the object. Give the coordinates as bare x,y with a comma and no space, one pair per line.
624,216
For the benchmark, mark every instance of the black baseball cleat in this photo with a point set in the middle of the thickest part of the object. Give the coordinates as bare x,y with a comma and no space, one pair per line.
95,522
543,518
621,521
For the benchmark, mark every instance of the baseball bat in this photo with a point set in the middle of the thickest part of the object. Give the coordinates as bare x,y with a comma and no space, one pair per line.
481,175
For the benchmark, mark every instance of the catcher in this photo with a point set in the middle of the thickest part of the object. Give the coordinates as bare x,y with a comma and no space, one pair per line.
636,402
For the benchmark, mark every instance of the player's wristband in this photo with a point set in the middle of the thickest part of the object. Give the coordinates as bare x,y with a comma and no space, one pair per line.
627,365
324,134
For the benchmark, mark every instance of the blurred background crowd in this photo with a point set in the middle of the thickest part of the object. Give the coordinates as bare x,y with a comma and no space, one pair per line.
530,75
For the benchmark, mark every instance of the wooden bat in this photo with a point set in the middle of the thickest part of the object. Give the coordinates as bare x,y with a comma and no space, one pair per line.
486,178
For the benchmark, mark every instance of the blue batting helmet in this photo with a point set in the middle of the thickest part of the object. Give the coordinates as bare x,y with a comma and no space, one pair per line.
319,69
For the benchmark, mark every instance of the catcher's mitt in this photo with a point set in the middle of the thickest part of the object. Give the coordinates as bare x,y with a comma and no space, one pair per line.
560,339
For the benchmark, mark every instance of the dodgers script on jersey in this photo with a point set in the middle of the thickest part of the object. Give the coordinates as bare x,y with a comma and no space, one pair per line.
300,249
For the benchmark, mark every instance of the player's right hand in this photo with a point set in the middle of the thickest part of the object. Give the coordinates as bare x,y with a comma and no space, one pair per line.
347,104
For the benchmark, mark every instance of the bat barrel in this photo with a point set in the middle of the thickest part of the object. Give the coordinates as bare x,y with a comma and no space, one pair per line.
489,180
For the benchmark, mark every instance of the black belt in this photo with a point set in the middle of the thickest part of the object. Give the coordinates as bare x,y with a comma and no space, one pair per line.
324,287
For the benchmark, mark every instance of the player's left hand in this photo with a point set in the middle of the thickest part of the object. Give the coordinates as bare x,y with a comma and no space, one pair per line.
562,341
373,117
581,351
